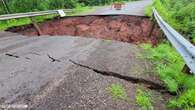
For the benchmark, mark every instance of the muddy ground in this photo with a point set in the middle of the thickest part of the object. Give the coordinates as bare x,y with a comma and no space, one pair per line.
132,29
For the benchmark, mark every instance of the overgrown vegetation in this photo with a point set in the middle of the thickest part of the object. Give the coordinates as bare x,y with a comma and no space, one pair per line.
15,6
178,13
118,92
168,66
143,99
181,15
17,22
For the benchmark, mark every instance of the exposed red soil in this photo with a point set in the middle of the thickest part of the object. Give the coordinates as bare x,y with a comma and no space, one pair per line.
123,28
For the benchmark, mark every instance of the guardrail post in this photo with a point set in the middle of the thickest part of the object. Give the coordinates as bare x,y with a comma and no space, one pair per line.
186,69
153,26
36,26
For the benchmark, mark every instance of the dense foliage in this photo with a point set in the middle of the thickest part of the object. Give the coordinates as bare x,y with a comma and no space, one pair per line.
34,5
169,65
179,13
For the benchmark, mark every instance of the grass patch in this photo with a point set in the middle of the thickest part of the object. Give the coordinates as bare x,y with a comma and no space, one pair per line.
148,11
143,99
83,10
168,66
10,23
185,101
118,92
22,21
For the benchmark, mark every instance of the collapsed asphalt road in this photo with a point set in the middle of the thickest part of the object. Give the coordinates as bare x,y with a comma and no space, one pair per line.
64,73
37,72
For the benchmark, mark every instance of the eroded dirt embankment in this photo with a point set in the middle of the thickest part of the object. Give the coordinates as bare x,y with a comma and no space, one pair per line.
123,28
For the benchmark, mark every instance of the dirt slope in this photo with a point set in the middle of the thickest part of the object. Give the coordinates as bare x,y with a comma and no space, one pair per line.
122,28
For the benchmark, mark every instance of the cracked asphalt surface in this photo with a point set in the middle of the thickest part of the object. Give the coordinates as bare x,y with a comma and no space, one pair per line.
40,74
37,72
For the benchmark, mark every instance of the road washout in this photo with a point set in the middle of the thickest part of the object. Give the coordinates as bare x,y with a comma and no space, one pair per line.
125,28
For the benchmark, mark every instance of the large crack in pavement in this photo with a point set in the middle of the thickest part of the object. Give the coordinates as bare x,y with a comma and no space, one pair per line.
149,84
12,55
49,56
53,59
70,84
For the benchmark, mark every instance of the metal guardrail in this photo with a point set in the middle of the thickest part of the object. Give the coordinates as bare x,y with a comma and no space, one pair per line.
31,14
182,45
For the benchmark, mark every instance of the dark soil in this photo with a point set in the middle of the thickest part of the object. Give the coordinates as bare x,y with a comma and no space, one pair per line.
134,29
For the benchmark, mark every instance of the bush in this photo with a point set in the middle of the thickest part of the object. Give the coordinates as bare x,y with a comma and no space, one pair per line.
168,66
178,13
17,6
186,100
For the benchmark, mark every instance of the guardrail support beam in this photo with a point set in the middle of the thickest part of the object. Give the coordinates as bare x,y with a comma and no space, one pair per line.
36,26
186,69
153,26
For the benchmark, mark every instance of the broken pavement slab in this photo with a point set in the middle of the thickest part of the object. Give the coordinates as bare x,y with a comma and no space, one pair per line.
42,83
